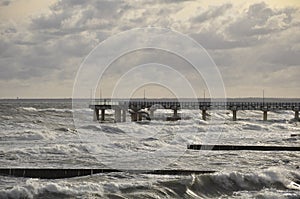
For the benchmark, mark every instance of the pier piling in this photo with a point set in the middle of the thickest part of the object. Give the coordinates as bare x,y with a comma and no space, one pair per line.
124,115
175,115
140,116
204,114
96,114
297,115
265,115
118,115
234,118
134,117
151,113
102,115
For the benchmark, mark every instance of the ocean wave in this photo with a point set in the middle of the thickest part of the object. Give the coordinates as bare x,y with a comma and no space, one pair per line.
270,183
228,183
27,135
65,129
111,129
91,127
254,127
29,108
33,109
34,188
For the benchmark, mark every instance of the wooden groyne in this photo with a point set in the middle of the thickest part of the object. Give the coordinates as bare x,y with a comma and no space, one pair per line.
53,173
242,147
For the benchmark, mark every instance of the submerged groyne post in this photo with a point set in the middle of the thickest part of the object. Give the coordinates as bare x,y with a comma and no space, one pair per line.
96,114
203,114
124,115
234,118
102,114
118,115
297,115
265,115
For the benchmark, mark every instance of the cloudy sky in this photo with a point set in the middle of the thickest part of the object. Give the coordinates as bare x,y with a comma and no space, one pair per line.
255,44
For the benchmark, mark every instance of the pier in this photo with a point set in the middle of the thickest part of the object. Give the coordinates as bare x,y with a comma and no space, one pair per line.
145,108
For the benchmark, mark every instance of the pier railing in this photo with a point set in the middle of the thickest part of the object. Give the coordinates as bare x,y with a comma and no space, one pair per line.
194,104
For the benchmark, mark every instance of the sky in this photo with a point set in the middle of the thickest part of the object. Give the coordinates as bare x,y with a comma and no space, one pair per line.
255,44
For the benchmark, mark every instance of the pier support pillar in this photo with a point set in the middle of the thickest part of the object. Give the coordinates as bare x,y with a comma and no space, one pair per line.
102,114
151,114
139,116
265,115
234,118
204,114
297,115
124,115
175,115
96,114
134,117
118,115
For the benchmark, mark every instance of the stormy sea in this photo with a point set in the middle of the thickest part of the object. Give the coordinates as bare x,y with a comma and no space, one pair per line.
44,134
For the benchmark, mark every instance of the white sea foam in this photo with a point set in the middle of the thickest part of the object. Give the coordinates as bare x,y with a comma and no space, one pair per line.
29,108
28,135
36,188
33,109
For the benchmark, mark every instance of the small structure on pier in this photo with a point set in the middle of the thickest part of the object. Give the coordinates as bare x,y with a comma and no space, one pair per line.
144,108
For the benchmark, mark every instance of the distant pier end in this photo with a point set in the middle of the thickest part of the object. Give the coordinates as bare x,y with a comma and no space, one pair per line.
140,109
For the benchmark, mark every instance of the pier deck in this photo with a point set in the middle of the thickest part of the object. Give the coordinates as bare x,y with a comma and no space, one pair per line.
136,105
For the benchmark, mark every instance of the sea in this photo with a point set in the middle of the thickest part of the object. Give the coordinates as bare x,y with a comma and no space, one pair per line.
53,133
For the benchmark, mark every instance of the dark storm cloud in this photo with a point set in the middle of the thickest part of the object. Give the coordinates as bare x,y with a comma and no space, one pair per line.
258,40
55,41
254,26
212,13
259,19
70,17
213,40
5,3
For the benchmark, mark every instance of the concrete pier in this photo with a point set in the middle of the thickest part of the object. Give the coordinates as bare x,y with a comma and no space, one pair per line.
265,117
234,112
136,107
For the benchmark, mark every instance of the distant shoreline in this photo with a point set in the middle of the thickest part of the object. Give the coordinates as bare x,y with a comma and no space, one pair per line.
200,99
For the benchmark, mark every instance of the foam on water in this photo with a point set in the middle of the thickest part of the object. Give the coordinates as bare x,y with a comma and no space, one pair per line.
43,135
270,183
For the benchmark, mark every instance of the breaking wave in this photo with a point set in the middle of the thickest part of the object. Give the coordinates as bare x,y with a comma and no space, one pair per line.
223,184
